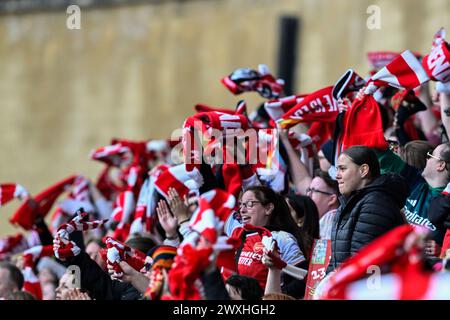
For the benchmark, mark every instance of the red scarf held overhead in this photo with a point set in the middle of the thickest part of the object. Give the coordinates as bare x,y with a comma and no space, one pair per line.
118,251
317,106
363,125
9,191
194,254
40,205
437,63
405,71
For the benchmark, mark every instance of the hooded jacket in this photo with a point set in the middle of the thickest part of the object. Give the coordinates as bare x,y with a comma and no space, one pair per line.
367,214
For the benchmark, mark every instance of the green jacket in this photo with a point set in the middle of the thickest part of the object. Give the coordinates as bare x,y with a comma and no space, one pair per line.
418,201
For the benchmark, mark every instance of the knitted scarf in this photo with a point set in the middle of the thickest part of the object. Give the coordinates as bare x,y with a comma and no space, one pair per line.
10,191
63,247
437,63
144,217
31,281
195,253
40,205
405,71
247,80
317,106
118,251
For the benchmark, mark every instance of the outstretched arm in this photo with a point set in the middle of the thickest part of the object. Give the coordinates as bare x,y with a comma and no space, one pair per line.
299,171
445,111
428,121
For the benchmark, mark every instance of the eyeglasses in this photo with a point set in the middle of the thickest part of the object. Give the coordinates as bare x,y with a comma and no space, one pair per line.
248,204
311,190
429,155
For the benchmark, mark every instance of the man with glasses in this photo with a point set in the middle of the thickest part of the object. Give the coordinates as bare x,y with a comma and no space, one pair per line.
424,186
324,191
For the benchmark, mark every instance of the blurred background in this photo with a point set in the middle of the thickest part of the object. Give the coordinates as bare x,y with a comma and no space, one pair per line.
135,69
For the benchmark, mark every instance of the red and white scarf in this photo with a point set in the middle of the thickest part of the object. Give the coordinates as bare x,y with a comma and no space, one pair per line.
40,204
31,281
10,191
437,63
195,253
261,81
112,155
117,252
63,247
317,106
405,71
144,217
78,223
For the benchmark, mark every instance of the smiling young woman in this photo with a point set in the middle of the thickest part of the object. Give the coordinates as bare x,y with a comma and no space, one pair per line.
265,212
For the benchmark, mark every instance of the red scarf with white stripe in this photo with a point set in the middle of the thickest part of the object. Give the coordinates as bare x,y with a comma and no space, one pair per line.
10,191
31,281
117,252
405,71
317,106
63,247
40,204
195,253
437,63
144,216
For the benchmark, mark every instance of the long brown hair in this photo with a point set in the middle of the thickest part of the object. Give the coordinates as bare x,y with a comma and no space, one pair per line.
280,219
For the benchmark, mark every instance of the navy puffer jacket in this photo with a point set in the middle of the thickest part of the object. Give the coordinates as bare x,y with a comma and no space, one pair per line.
367,214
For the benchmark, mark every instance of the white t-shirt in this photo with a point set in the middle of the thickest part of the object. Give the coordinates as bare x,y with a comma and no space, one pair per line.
326,224
289,249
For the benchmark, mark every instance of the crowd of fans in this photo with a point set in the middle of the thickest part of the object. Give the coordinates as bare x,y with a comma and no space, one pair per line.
300,199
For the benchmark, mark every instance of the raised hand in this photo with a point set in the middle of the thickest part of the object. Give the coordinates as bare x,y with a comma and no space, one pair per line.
168,222
177,206
75,294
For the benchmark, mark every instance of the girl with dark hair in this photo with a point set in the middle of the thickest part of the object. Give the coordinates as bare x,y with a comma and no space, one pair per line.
369,206
263,212
305,213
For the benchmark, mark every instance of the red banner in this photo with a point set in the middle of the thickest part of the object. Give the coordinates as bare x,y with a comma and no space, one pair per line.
320,259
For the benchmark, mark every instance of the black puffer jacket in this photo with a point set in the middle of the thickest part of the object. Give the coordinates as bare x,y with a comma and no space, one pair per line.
367,214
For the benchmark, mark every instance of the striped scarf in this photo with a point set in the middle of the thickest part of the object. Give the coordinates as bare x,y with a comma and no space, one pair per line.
117,252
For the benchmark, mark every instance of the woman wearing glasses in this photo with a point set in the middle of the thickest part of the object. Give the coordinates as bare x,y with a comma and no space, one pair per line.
370,203
259,207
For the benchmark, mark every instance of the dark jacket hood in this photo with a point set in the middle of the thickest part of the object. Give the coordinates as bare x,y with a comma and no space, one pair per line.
390,183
